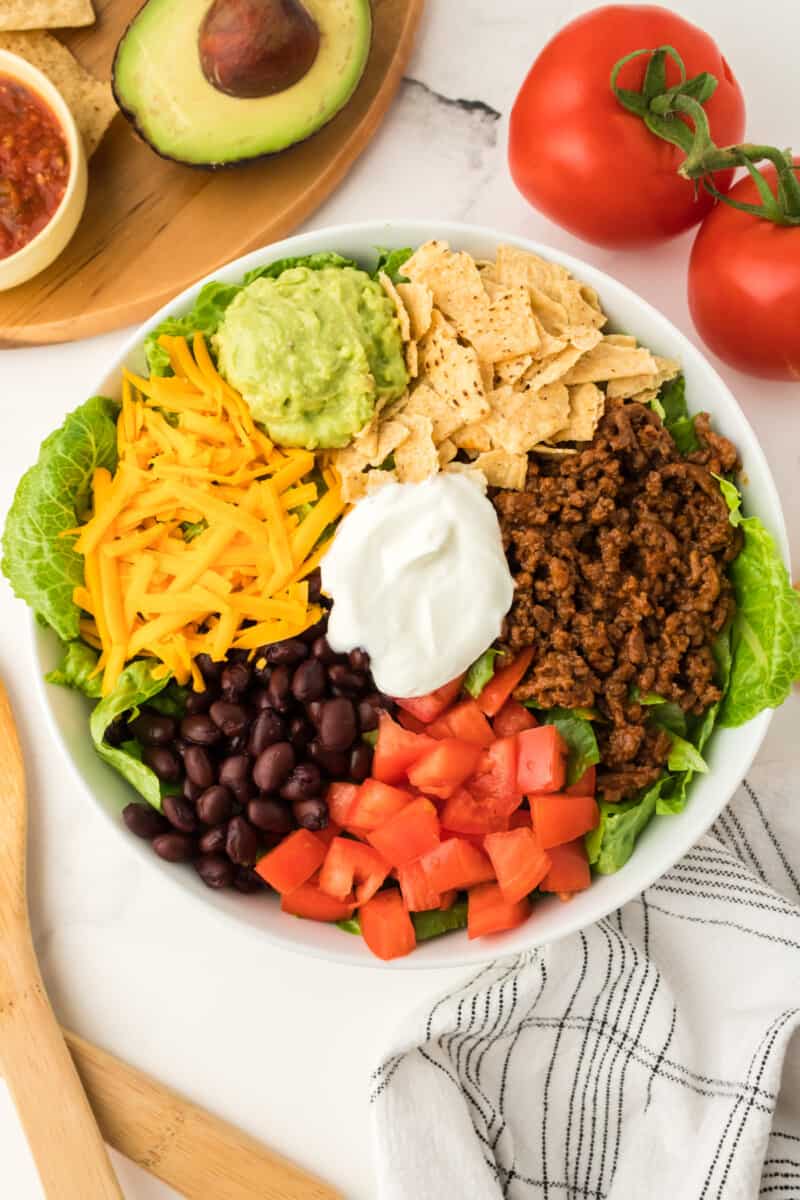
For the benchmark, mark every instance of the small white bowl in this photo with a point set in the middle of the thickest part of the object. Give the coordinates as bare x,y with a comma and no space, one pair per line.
662,843
41,250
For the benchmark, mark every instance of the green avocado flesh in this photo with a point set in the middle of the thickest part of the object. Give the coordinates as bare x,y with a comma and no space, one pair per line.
312,352
160,86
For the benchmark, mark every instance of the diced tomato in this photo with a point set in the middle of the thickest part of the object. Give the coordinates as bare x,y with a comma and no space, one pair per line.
559,818
464,721
396,750
412,832
331,831
292,862
456,863
495,778
489,912
542,761
464,813
521,819
448,899
513,718
569,868
418,893
386,925
586,785
474,839
503,682
411,723
519,862
428,708
351,866
375,802
441,771
309,901
340,799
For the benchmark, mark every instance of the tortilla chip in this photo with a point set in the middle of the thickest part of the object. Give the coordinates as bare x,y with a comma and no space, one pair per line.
609,361
586,407
520,419
548,370
628,387
581,315
473,438
412,360
553,451
444,412
503,470
394,296
45,14
621,339
512,369
451,369
447,451
469,471
508,327
452,277
514,266
418,303
551,313
90,101
416,459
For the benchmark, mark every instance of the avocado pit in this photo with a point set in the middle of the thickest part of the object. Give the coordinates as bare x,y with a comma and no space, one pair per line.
253,48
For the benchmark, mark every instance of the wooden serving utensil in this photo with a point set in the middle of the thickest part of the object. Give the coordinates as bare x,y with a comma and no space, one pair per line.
61,1130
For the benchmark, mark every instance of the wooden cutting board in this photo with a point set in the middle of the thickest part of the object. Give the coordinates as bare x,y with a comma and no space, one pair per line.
152,227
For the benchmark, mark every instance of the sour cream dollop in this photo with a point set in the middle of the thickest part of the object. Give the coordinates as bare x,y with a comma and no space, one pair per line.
418,578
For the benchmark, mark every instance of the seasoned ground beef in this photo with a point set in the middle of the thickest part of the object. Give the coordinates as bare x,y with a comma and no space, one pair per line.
619,555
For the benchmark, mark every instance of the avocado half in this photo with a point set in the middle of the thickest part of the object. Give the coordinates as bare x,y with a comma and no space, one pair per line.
160,86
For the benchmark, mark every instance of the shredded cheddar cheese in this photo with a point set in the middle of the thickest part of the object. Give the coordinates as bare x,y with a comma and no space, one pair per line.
203,539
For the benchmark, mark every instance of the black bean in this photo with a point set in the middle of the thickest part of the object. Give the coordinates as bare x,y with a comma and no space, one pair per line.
235,656
179,813
367,716
229,717
337,727
117,732
174,847
286,653
144,821
359,659
311,813
190,790
237,744
343,677
303,782
234,770
215,870
308,681
198,702
153,729
210,670
269,815
200,729
214,805
279,689
314,631
247,880
266,729
213,840
335,762
300,733
314,711
360,762
322,651
273,766
314,581
241,844
199,767
235,680
164,762
259,698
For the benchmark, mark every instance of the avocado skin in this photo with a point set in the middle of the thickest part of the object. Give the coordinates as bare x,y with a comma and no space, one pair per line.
231,163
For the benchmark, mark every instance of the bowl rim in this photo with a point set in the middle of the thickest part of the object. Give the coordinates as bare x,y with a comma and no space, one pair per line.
36,81
638,873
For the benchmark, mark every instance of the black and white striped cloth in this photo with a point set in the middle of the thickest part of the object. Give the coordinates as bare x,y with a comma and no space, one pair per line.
654,1055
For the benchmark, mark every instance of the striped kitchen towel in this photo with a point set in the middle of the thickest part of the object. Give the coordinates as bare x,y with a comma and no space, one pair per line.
654,1055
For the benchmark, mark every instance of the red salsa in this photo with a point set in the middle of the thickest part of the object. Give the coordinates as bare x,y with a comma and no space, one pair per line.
34,165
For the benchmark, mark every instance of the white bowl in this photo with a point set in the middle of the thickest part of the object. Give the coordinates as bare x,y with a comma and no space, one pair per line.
41,250
664,841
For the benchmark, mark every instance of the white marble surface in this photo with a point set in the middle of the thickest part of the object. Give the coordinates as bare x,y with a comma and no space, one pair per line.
281,1045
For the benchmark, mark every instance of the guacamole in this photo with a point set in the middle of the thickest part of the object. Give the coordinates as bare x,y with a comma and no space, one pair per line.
312,352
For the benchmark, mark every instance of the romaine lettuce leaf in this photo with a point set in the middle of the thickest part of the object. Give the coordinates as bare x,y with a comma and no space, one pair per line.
390,262
672,402
134,687
42,567
611,843
579,735
435,921
75,670
480,672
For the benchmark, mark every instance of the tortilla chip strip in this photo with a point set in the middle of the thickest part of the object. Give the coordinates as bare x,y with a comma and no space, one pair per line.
45,14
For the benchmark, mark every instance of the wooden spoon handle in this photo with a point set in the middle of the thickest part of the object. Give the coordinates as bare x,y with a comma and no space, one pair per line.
55,1114
192,1151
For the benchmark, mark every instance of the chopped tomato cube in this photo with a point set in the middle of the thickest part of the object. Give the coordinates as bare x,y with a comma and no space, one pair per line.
340,799
489,912
428,708
513,718
448,899
464,721
456,863
586,785
292,862
559,818
411,723
519,861
521,819
441,771
495,778
542,761
350,866
418,893
308,901
396,750
569,868
386,925
464,813
375,802
410,833
503,682
331,830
